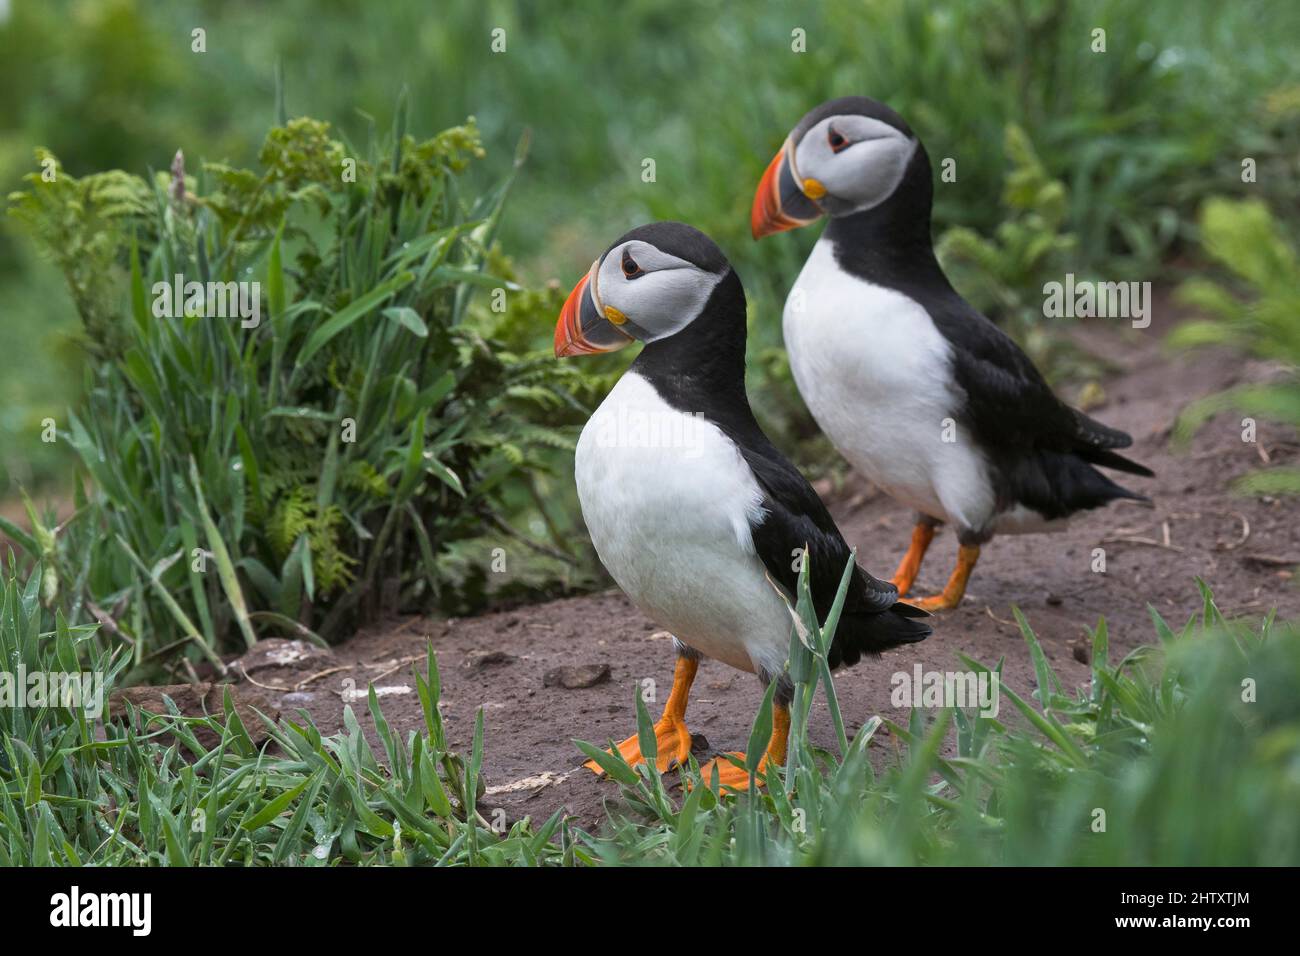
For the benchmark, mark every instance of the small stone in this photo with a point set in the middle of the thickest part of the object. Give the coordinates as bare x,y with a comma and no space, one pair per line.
282,653
478,660
1054,599
576,676
1081,654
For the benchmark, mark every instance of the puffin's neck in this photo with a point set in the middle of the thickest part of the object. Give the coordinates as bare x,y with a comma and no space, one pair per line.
704,363
892,241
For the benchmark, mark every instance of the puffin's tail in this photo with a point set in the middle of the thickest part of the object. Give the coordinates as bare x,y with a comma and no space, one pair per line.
1091,488
871,632
1095,443
1057,484
1108,459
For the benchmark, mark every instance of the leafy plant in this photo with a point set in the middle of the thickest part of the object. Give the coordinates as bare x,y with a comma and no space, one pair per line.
1256,311
307,469
80,222
1003,276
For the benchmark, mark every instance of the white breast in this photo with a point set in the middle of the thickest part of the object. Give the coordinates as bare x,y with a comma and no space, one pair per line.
668,499
876,374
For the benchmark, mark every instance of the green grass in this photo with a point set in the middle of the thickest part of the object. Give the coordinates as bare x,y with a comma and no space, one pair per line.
1164,742
68,798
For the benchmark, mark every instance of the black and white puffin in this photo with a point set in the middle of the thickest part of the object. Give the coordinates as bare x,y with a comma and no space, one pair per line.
691,509
918,390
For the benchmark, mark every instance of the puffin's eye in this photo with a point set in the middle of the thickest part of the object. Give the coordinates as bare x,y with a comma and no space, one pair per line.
630,268
836,141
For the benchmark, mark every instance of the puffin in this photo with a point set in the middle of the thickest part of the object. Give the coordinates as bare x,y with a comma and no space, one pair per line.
918,390
696,515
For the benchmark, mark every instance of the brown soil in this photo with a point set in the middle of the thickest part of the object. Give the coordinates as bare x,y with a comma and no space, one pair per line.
1242,547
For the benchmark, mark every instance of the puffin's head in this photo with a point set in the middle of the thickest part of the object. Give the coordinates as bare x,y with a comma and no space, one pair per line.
650,284
843,157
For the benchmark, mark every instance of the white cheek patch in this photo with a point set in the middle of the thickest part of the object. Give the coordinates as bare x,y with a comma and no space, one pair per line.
672,299
662,301
864,174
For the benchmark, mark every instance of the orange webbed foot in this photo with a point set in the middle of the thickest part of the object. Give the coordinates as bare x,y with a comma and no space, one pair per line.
673,742
936,602
910,566
955,589
730,777
733,778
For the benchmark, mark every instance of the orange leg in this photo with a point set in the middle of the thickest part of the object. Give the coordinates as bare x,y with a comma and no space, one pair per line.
674,740
953,591
910,566
731,777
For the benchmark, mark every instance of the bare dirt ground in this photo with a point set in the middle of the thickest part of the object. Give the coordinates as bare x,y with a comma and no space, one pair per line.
1243,547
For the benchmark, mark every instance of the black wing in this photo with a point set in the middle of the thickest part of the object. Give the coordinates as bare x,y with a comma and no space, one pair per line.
1009,403
795,519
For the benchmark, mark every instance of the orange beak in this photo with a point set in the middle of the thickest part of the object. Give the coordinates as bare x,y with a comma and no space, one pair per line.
779,203
568,331
583,329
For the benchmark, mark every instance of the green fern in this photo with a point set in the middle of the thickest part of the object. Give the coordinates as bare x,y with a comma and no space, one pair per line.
362,476
291,517
295,514
84,226
330,563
